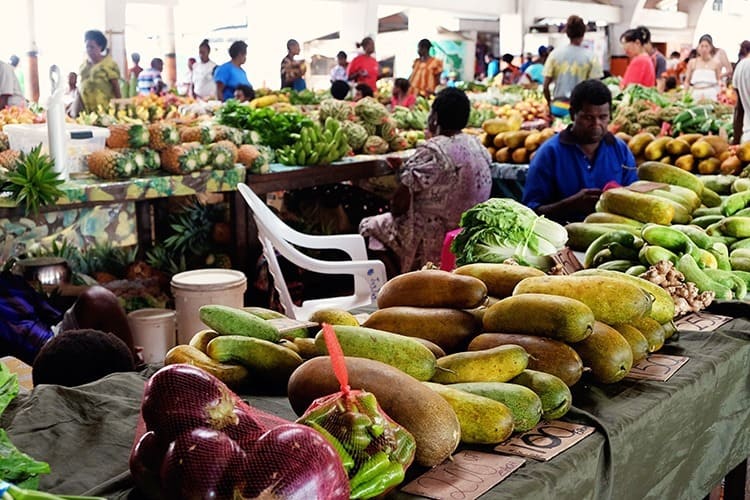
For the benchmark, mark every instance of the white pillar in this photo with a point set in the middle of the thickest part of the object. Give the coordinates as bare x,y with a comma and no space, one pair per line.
32,79
114,22
168,47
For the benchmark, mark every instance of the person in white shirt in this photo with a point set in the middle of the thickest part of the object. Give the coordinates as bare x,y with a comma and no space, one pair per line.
71,96
10,90
741,82
339,71
203,85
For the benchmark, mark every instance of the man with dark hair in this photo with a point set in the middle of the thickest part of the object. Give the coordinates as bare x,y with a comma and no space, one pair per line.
362,90
244,93
340,89
292,71
569,171
149,81
567,66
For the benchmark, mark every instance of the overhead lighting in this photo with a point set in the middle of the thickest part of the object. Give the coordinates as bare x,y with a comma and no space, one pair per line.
717,6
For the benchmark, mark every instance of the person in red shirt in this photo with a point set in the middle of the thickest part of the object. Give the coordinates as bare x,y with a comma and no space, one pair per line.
640,70
364,68
401,95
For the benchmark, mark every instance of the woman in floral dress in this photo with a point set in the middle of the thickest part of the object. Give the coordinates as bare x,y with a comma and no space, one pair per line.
446,176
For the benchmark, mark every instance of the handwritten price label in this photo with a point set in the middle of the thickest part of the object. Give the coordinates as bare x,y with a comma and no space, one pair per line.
466,476
546,440
647,187
567,259
701,322
288,324
658,367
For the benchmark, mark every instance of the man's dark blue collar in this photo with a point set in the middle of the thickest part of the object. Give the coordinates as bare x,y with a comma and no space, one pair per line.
567,137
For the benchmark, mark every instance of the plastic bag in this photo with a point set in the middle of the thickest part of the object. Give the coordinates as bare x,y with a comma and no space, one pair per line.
374,450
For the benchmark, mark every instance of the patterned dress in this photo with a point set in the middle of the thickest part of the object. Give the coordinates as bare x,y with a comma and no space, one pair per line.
96,85
446,176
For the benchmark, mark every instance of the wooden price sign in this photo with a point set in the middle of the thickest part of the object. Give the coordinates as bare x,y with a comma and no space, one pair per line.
546,440
658,367
701,322
466,476
567,259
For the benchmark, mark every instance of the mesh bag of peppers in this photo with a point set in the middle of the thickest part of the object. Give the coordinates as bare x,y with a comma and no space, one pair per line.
374,450
197,439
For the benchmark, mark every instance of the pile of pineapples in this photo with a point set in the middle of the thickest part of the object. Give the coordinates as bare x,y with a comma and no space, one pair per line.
134,149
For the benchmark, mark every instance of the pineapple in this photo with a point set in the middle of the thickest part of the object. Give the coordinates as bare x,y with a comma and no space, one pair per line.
153,160
8,158
162,135
127,135
182,158
235,135
111,164
247,154
250,137
223,155
138,157
202,134
33,182
4,142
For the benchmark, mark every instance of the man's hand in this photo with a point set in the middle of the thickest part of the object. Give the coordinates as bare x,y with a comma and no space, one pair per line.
584,201
573,207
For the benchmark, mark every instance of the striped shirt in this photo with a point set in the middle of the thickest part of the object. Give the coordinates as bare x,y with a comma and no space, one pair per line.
149,81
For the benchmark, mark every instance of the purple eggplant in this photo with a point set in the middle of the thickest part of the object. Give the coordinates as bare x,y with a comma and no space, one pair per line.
294,462
202,464
247,430
145,463
181,397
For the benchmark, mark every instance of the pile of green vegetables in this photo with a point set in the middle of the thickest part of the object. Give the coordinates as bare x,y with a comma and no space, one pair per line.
500,229
274,128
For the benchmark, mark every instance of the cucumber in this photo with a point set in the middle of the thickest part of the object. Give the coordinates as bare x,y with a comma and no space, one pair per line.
583,234
201,339
738,227
735,202
740,263
624,238
705,221
616,265
696,234
264,359
606,217
482,420
402,352
667,237
231,374
668,195
638,342
232,321
652,255
497,364
554,394
721,184
636,270
693,273
745,212
743,243
741,184
700,212
640,206
719,251
710,198
523,403
688,195
668,174
729,279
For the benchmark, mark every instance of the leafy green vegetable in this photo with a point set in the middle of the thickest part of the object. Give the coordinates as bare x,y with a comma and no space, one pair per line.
274,128
15,466
501,228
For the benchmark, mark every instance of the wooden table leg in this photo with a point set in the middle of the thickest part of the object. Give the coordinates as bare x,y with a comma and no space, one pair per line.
238,211
144,227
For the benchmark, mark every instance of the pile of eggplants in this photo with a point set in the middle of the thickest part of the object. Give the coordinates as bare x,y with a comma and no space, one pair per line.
202,441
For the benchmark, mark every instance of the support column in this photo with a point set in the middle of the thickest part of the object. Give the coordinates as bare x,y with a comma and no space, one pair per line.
32,80
114,22
169,47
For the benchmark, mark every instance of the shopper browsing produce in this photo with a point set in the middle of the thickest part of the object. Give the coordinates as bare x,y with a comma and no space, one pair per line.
202,85
704,72
292,71
339,71
568,66
446,176
568,172
150,81
640,69
100,74
230,75
10,89
364,68
401,94
741,82
425,72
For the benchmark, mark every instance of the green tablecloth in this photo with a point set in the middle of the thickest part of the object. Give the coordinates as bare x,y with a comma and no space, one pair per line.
675,439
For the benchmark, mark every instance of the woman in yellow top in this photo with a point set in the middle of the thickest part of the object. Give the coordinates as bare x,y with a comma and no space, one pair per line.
425,74
100,75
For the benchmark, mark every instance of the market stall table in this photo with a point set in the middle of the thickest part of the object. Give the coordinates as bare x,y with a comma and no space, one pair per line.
674,439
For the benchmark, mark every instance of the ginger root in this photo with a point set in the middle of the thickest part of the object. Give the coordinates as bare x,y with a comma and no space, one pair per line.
685,294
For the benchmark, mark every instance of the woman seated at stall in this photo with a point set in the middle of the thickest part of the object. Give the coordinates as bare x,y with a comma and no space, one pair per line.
447,175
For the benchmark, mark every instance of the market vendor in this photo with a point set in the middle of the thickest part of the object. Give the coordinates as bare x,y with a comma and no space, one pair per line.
28,321
446,176
569,171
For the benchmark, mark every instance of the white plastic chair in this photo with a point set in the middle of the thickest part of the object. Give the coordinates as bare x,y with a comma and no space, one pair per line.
275,236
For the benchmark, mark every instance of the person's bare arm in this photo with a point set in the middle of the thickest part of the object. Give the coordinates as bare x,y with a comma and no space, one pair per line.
572,207
220,91
545,90
115,88
739,118
689,73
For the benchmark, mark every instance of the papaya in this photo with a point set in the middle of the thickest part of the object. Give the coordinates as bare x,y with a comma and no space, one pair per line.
690,138
405,353
607,353
450,329
231,374
500,279
533,141
540,314
417,408
639,206
432,288
656,149
652,332
702,149
502,155
718,143
498,364
639,141
624,137
495,126
520,155
554,393
306,348
677,147
524,404
545,355
486,139
732,165
499,140
612,300
492,150
333,316
743,152
685,162
669,174
516,139
482,420
709,166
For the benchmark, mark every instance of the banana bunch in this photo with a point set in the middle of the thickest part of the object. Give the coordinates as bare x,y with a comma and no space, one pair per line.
316,145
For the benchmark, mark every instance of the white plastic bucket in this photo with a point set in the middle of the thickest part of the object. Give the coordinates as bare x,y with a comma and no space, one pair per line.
193,289
153,330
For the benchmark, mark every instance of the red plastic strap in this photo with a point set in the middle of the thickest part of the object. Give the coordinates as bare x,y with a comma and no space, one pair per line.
337,358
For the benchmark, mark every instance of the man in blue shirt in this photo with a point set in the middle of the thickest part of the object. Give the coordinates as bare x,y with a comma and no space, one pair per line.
149,80
569,171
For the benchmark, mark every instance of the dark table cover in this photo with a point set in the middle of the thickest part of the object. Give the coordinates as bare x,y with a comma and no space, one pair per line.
673,439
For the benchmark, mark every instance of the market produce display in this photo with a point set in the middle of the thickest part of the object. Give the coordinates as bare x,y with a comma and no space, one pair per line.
507,143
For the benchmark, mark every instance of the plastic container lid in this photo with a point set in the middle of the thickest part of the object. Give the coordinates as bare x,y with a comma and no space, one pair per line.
208,279
152,313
